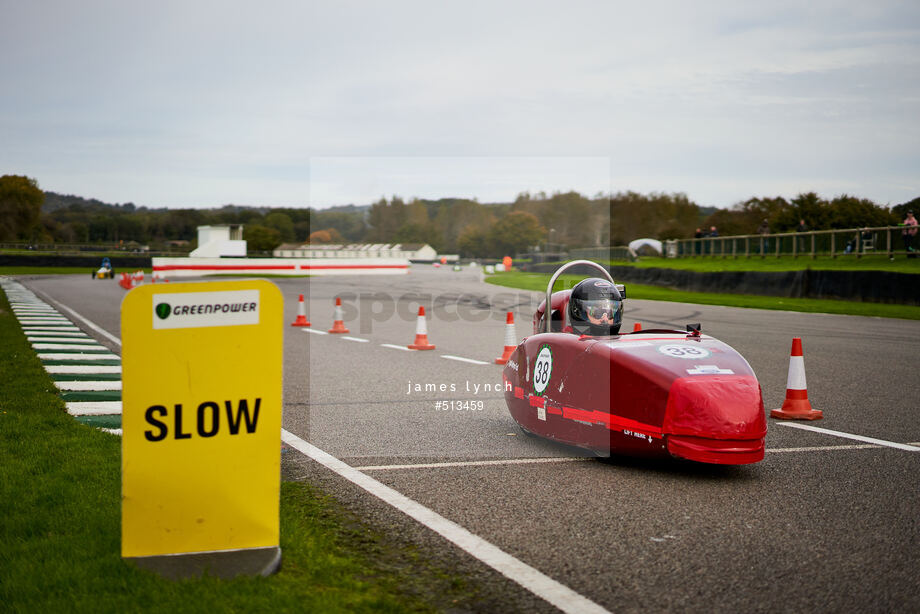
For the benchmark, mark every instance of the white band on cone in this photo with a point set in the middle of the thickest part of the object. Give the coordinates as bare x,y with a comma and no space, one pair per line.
510,337
796,378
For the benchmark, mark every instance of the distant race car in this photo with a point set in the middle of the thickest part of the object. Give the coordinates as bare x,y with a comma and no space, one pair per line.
105,270
656,392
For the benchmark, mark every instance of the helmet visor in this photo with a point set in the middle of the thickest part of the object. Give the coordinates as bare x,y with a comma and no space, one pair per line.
601,311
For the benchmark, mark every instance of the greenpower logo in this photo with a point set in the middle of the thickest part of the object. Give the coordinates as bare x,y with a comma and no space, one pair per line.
203,309
163,310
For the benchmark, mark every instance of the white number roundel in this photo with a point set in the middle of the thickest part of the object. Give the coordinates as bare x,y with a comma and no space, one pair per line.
542,370
684,350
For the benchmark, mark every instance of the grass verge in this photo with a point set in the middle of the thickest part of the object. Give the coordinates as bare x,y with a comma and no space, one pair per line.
60,528
47,270
716,264
37,270
538,281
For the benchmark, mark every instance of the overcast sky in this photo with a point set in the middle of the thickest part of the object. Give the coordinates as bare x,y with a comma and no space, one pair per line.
323,103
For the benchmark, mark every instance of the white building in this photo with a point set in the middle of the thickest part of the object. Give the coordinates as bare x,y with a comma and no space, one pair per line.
414,252
220,242
222,251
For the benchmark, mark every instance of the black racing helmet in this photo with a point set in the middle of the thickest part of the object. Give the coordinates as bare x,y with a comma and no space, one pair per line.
595,308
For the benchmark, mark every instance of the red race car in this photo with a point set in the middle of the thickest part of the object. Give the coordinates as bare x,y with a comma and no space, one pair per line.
658,392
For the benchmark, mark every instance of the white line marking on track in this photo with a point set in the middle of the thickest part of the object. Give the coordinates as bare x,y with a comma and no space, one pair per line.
857,446
879,442
88,385
526,461
462,359
68,346
60,369
93,408
395,347
81,356
46,334
45,301
91,325
358,339
37,312
482,463
47,324
314,331
530,578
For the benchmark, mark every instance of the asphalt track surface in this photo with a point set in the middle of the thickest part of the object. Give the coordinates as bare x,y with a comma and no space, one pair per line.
824,523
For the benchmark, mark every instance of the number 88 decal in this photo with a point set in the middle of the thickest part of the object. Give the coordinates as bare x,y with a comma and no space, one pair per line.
683,351
543,369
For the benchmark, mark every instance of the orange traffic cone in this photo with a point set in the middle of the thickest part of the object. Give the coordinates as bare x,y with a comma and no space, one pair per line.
421,333
637,327
510,340
128,281
796,405
301,319
338,325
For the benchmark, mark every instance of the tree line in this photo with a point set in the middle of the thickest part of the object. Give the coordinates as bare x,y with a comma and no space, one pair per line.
450,225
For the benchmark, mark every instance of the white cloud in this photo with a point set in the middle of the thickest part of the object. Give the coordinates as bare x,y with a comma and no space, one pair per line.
203,102
355,180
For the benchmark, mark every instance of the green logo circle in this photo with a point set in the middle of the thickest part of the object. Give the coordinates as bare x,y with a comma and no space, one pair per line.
163,310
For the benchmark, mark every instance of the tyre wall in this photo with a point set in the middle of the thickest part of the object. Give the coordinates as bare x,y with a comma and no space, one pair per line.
868,286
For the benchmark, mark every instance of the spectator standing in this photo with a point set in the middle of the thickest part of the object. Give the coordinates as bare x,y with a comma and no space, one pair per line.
763,230
699,244
802,227
909,233
868,241
712,244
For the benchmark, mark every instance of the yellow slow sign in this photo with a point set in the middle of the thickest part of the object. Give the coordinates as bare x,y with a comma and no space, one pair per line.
201,417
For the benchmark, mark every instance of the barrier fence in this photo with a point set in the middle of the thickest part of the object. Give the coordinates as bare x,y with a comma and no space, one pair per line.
856,242
598,253
84,249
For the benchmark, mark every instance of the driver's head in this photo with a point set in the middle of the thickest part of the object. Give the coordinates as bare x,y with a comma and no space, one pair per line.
595,308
